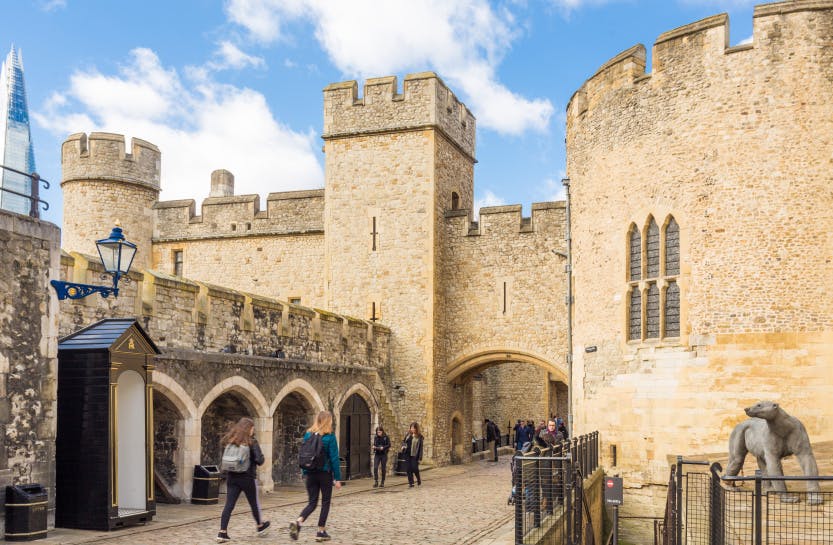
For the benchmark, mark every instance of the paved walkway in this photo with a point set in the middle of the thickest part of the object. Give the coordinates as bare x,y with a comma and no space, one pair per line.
459,505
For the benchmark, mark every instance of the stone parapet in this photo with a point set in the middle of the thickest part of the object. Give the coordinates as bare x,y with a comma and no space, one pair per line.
103,156
290,212
425,101
185,315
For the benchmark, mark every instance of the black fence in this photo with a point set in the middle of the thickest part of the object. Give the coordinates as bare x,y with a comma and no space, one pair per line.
705,508
34,180
548,492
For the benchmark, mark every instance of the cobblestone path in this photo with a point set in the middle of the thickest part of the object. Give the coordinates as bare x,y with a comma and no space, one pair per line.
455,505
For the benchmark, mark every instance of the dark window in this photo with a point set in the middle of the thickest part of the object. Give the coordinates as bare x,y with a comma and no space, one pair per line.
652,250
652,312
295,300
178,262
455,201
659,316
672,248
635,315
672,310
635,259
373,233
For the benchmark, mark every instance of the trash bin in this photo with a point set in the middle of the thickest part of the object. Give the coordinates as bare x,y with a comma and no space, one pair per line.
401,464
206,489
342,464
26,507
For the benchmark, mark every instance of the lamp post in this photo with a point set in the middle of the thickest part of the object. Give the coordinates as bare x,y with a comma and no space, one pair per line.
116,255
569,268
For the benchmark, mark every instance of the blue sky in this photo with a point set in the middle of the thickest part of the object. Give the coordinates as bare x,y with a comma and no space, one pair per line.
236,84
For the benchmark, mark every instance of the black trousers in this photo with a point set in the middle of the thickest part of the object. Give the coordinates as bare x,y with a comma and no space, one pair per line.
235,484
380,459
318,483
413,470
495,448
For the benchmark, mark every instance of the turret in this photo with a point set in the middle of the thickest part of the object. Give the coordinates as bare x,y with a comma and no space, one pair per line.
103,184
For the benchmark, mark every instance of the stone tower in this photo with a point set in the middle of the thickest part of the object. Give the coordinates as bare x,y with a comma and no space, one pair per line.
707,167
395,163
103,185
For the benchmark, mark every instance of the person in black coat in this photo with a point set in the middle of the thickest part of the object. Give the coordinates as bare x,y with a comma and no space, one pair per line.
381,445
242,434
412,447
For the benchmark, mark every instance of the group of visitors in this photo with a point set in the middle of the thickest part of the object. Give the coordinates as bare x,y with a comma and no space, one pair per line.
246,454
547,433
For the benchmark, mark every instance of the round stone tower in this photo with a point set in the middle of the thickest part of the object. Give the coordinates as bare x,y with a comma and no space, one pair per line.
103,185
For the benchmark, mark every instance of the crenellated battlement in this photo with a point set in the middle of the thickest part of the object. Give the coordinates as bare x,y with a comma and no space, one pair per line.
425,102
786,35
507,221
103,156
215,318
236,216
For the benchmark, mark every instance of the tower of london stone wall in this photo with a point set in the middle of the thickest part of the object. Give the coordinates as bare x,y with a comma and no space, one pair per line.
734,144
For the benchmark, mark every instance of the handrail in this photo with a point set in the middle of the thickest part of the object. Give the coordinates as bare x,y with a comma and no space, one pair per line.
35,177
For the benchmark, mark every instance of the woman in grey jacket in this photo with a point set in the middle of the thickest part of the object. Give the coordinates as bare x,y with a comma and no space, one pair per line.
412,447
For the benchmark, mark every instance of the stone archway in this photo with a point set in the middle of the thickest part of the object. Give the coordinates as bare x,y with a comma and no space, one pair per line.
293,410
176,444
292,417
240,398
507,384
355,435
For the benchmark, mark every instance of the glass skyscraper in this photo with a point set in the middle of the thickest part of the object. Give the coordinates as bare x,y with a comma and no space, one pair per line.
15,139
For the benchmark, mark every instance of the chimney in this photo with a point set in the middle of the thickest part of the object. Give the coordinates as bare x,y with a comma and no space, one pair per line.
222,184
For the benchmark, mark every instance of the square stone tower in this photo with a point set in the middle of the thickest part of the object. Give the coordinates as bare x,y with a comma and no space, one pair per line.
395,164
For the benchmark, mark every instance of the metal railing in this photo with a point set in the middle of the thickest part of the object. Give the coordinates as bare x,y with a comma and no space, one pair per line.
34,198
548,491
710,509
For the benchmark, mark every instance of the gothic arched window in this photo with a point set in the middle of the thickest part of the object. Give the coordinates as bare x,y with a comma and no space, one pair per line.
653,301
635,255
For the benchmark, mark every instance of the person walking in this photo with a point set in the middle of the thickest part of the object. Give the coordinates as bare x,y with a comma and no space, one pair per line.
412,447
381,445
492,436
320,481
242,435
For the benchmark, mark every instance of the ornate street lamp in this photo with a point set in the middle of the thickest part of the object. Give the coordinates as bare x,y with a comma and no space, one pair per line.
116,255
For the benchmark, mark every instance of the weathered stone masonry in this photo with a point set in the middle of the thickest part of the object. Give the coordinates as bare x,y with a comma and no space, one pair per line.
29,257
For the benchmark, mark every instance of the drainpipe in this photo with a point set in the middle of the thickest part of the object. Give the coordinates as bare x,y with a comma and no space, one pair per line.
569,299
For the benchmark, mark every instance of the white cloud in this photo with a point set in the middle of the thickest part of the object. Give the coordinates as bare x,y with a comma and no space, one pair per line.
199,127
52,5
464,41
745,41
487,198
232,57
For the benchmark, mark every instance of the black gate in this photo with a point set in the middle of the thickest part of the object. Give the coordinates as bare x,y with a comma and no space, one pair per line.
355,437
706,508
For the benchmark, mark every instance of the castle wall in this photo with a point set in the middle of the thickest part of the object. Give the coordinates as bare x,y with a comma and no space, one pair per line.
515,391
105,185
284,267
504,295
186,315
29,257
734,143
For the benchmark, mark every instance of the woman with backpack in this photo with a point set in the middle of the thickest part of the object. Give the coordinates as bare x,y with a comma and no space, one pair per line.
381,445
320,481
241,456
412,447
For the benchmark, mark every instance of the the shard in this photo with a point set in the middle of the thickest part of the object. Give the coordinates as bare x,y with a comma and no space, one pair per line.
15,140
